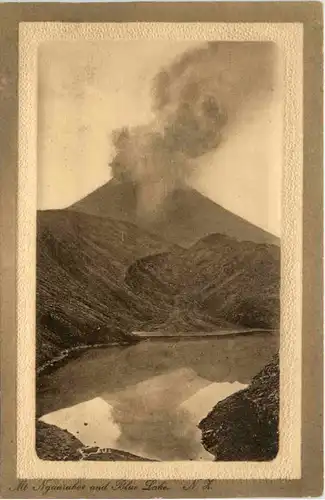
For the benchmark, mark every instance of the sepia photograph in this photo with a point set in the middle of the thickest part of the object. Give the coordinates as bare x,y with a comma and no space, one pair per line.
158,250
161,270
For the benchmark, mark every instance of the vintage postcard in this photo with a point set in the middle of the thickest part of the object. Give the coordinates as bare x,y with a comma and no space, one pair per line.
163,251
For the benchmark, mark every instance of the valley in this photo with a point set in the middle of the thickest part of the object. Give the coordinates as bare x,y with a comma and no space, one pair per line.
140,333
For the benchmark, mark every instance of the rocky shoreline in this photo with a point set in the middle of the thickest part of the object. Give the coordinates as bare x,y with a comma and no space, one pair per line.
74,352
54,444
244,426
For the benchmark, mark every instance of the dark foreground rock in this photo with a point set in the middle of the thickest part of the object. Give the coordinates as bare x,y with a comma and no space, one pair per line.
244,426
53,443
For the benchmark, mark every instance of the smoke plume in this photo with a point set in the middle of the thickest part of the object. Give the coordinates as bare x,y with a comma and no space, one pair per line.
194,102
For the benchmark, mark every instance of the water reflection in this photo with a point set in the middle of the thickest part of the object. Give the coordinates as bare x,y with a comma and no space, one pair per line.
154,419
149,398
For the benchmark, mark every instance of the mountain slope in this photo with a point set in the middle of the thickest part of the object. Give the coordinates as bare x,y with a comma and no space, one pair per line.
98,279
184,217
81,298
218,280
118,242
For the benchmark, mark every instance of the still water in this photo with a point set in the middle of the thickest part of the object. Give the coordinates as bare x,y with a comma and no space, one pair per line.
147,399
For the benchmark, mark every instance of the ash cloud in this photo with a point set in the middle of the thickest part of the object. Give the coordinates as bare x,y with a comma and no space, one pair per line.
194,102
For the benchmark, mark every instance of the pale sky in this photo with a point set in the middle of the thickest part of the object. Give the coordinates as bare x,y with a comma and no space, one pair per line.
88,89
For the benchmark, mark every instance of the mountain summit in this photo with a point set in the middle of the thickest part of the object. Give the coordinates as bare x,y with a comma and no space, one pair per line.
184,217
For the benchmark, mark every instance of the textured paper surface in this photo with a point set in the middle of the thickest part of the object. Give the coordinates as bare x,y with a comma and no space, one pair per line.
289,39
310,16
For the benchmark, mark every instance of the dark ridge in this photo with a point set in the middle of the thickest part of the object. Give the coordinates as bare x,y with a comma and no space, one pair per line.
98,279
218,281
81,297
185,215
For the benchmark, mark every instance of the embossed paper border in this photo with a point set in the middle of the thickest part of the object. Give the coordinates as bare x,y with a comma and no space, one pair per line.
309,14
288,39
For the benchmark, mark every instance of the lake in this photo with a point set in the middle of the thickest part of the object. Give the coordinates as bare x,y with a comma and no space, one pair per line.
148,398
